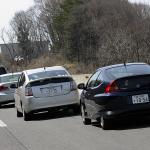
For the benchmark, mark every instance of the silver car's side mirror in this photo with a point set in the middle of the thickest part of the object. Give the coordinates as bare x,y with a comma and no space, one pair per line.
13,86
81,86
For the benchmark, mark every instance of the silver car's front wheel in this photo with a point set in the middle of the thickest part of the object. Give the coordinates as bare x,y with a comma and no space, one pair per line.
19,114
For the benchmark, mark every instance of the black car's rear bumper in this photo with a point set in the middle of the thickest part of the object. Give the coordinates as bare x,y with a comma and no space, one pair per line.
116,105
123,113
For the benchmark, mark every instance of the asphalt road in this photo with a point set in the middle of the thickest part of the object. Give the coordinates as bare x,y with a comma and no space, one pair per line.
65,131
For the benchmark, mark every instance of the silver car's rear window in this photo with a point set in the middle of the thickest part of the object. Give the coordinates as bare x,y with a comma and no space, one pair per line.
9,78
45,74
129,70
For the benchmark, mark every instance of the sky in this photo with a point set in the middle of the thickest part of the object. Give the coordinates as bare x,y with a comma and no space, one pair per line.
9,7
141,1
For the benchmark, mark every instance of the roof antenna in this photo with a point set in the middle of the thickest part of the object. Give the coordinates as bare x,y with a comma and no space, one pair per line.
45,69
125,65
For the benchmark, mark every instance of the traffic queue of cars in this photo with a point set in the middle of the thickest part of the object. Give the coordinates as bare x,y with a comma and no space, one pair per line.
111,93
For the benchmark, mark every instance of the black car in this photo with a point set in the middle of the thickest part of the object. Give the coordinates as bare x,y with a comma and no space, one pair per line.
116,91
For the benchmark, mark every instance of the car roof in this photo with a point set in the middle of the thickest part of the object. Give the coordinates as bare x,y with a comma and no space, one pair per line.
8,74
119,65
31,71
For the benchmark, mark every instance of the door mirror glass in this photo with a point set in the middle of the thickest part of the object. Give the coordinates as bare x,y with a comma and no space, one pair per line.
81,86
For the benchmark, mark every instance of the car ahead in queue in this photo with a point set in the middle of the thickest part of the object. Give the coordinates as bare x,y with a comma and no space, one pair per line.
7,84
43,89
116,91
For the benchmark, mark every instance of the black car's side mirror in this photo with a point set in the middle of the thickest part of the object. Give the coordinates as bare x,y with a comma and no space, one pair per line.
81,86
13,86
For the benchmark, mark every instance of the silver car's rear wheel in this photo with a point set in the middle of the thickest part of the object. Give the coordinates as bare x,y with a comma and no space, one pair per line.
86,121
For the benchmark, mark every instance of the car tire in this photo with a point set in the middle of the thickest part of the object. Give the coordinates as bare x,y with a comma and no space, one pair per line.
86,121
105,123
76,109
26,116
19,114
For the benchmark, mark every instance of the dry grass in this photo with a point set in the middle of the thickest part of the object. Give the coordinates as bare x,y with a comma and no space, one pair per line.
58,60
82,78
48,60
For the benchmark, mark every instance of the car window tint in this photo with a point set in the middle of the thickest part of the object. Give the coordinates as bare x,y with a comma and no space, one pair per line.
129,70
99,80
21,80
9,78
45,74
92,80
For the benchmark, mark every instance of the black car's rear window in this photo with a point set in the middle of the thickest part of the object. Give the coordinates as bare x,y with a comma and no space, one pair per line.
128,70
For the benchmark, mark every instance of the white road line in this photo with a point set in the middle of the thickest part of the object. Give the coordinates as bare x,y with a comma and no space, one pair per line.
2,124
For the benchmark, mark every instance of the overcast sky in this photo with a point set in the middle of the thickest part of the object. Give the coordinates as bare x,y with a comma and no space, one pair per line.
9,7
142,1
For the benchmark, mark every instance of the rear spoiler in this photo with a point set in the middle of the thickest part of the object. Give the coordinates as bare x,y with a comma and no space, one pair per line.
48,79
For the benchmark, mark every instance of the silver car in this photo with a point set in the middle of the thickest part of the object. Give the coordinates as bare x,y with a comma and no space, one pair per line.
43,89
7,82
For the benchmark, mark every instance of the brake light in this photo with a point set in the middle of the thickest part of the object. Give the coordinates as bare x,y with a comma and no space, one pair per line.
3,88
73,86
28,91
112,87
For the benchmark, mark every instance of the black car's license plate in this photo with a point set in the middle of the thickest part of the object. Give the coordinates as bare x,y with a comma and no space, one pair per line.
138,99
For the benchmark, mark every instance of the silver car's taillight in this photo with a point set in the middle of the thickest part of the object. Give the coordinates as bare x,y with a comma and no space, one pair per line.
73,86
28,91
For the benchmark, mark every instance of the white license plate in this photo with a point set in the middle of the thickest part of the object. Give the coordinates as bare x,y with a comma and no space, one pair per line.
137,99
51,91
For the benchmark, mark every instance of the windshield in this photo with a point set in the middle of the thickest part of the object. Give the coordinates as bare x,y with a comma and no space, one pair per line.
45,74
9,78
129,70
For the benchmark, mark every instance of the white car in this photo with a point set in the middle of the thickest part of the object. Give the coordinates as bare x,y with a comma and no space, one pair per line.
45,88
7,82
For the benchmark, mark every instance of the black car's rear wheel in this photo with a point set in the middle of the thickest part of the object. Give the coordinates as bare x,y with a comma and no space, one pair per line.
105,123
86,121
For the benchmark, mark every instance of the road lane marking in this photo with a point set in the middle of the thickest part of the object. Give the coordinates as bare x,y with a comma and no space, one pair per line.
2,124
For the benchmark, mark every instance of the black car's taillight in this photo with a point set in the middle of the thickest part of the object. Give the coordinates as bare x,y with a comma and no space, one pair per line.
111,87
